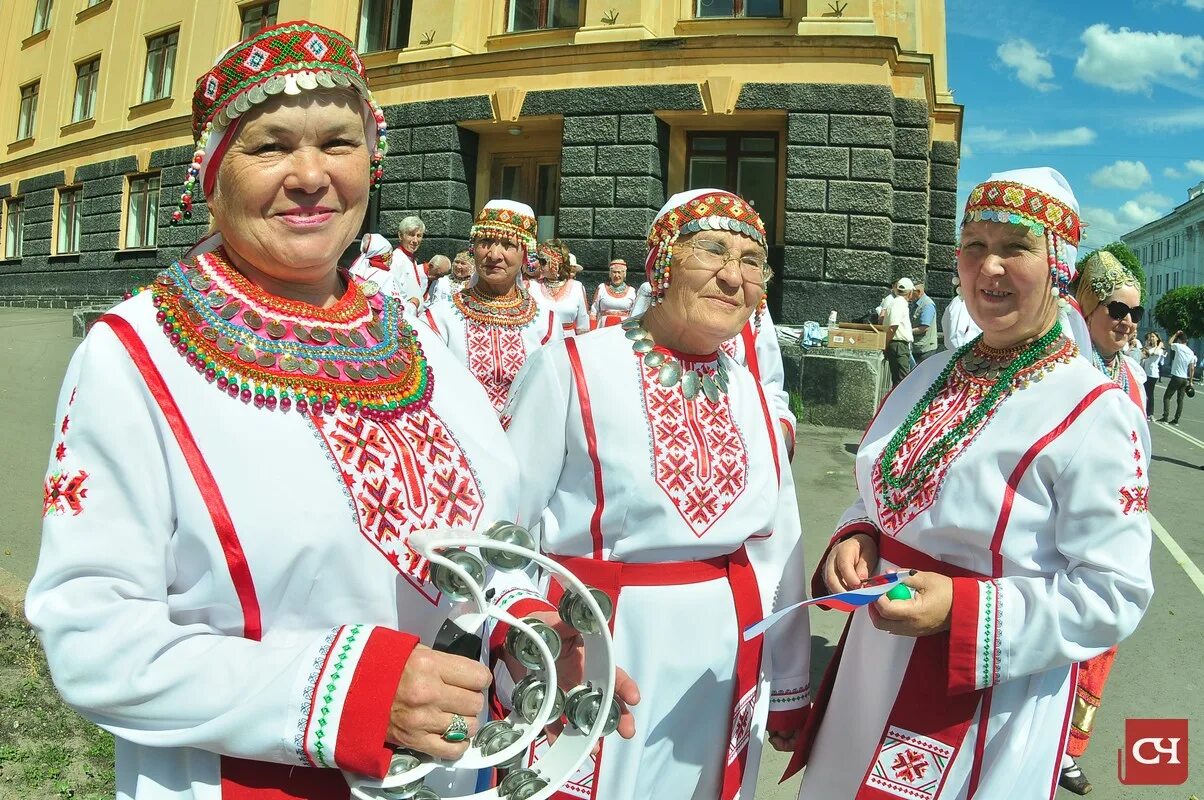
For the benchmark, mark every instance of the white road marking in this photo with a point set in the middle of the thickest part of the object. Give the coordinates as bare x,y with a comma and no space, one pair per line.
1193,572
1175,430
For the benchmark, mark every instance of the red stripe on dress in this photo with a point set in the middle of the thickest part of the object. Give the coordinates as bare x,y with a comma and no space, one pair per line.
1074,680
980,742
430,320
1009,496
591,442
244,779
750,351
223,525
547,337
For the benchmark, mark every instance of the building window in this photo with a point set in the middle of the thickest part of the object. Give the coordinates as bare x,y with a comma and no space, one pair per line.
160,66
41,16
67,237
744,163
737,8
531,15
385,25
142,211
94,3
256,18
29,111
14,227
86,77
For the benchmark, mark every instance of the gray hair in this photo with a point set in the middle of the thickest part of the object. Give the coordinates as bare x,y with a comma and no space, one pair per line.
441,260
410,224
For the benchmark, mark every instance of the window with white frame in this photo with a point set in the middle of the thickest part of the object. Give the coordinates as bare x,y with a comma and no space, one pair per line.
67,227
29,110
87,75
14,227
142,211
704,9
531,15
257,17
41,16
160,66
94,3
385,25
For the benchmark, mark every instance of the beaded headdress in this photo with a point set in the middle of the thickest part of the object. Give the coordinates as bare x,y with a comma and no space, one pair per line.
513,221
690,212
289,58
1102,275
552,254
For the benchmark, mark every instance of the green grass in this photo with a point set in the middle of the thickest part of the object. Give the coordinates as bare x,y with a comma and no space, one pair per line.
46,749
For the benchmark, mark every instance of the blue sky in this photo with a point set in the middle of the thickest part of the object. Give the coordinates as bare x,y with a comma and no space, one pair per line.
1109,92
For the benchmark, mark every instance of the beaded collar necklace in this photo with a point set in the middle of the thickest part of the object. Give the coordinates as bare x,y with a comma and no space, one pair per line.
1018,368
359,354
1114,368
616,289
670,370
511,311
556,289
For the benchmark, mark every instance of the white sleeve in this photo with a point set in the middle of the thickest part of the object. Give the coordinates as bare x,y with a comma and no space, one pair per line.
643,300
1008,627
167,666
535,418
773,374
582,322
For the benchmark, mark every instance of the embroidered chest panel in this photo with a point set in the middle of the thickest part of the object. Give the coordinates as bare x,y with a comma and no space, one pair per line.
495,355
699,459
402,475
951,406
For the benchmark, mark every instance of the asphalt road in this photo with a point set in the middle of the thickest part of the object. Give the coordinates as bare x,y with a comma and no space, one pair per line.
1158,672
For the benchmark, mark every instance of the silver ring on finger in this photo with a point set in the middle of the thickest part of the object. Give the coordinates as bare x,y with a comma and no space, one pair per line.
457,731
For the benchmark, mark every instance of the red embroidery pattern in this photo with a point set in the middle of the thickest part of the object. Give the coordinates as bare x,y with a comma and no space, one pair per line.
495,355
949,408
66,423
699,457
1136,498
909,766
60,451
403,475
64,492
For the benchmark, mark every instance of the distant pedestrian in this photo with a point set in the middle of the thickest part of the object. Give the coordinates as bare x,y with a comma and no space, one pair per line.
1151,361
959,328
896,318
437,270
1183,373
923,324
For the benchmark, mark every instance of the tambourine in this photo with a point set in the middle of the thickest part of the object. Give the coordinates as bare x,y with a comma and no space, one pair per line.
459,573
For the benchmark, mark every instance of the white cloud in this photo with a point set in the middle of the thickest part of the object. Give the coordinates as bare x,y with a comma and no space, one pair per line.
967,149
1122,175
999,140
1196,166
1172,173
1176,121
1104,225
1132,61
1031,66
1155,200
1198,5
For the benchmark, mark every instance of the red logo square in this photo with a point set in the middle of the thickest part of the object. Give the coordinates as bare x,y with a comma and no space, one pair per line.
1155,753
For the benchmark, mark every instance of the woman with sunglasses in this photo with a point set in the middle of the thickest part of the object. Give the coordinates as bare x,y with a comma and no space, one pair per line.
1109,297
662,474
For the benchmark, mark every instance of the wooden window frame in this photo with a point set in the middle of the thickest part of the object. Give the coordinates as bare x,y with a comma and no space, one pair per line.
739,10
407,28
264,4
161,82
733,153
27,124
542,24
150,230
74,222
44,9
11,252
94,77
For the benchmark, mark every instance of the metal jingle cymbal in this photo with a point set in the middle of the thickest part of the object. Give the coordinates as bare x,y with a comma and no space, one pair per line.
276,329
252,319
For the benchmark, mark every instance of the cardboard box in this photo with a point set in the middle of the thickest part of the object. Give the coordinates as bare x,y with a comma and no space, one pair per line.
855,336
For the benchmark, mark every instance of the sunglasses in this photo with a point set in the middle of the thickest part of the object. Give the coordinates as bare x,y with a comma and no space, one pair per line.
1118,311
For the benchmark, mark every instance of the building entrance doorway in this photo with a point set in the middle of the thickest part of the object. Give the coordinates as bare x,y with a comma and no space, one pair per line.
531,178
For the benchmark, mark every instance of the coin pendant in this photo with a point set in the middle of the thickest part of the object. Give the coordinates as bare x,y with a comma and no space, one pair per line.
247,354
654,358
301,332
690,384
357,339
343,339
710,388
669,374
370,288
289,364
642,346
200,282
230,310
276,329
309,367
252,319
319,335
216,299
331,369
266,360
226,344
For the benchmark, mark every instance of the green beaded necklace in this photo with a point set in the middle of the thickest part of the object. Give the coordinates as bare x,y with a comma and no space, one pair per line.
935,454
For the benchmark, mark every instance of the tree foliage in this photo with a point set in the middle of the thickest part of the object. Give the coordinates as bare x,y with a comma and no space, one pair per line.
1126,257
1182,309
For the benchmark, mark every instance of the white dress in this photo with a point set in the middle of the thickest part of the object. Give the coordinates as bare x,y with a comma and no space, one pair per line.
408,276
494,350
643,299
228,589
764,361
1040,517
610,308
634,476
567,302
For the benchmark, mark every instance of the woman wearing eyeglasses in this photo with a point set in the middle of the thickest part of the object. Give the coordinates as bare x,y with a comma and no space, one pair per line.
665,480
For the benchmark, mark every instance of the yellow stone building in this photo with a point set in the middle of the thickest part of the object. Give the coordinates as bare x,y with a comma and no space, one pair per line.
834,118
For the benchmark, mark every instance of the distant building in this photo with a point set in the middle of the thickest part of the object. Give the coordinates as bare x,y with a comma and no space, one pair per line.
1171,251
835,119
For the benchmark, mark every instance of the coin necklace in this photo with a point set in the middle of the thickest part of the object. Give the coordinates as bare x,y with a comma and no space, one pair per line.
670,370
1113,370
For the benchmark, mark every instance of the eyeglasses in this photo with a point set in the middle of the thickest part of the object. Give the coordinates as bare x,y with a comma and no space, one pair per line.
714,256
1118,311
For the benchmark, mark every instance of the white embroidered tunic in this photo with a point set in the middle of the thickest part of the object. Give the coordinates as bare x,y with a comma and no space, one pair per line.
228,589
633,476
611,307
764,361
1040,517
566,302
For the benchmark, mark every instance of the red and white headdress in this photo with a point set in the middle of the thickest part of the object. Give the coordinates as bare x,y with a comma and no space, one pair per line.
513,221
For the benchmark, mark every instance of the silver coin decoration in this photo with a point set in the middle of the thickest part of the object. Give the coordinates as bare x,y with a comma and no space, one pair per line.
710,388
655,358
509,533
670,371
449,582
669,374
519,645
642,346
632,322
576,613
636,334
690,384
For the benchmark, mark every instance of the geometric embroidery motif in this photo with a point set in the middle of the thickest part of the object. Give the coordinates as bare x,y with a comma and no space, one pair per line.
1136,498
403,475
742,725
316,47
909,765
699,458
211,87
256,59
64,492
495,355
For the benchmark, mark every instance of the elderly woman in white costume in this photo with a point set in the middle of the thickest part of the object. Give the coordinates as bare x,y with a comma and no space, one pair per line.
558,291
614,299
494,324
1012,475
240,452
688,517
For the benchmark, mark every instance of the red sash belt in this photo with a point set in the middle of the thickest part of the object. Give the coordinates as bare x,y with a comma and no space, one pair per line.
612,576
927,725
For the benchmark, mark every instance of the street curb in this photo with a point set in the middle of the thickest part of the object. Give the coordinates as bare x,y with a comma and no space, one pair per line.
12,594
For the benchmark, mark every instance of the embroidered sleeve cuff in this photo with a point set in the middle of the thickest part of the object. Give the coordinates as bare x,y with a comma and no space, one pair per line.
789,696
355,678
862,525
974,635
518,603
